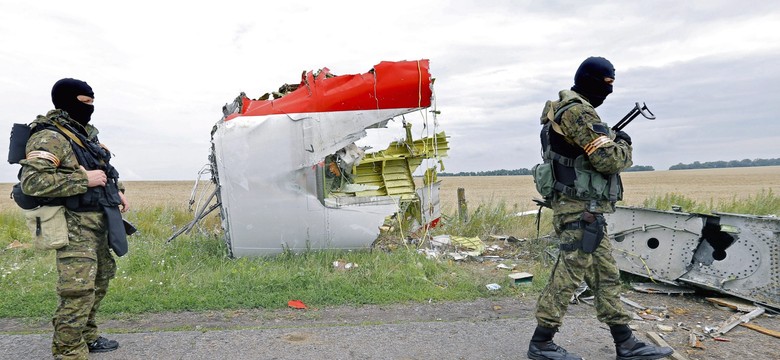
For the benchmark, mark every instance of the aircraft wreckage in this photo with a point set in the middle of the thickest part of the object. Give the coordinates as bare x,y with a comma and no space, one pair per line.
290,176
730,253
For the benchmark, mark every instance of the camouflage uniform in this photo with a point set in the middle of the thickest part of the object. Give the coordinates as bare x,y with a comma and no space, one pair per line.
597,269
85,265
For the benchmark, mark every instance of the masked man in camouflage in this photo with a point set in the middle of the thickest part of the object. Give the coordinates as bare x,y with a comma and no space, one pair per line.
65,164
586,158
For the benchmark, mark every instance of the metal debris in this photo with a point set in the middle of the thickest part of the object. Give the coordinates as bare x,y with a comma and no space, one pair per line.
734,254
660,288
493,287
736,319
520,278
289,175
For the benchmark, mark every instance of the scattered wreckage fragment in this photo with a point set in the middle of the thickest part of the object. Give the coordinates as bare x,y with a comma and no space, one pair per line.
290,175
729,253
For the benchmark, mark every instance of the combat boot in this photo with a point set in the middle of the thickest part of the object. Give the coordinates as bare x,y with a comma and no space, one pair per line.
548,350
633,349
102,345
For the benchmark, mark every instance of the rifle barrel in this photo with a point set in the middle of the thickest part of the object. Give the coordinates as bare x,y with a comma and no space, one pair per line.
626,119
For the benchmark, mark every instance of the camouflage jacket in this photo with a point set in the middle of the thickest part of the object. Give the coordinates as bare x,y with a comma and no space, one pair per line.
45,177
609,157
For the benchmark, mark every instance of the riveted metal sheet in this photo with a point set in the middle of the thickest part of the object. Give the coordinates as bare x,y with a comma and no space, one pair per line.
752,263
738,254
653,243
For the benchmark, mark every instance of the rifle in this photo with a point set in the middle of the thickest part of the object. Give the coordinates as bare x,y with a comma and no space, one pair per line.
632,114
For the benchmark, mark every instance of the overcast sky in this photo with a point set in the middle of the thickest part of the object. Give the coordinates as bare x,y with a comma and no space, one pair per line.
709,70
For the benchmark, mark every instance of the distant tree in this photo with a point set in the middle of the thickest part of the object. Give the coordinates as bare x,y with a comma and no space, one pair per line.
726,164
639,168
679,166
501,172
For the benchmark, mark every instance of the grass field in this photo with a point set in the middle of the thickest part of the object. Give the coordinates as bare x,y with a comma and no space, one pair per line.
193,273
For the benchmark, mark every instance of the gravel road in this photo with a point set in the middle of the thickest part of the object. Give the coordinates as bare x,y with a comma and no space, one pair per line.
497,328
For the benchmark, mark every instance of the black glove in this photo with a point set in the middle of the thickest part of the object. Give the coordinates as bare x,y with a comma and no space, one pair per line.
621,135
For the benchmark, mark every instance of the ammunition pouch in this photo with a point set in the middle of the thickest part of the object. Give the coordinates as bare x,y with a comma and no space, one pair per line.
544,179
48,226
593,185
592,226
581,181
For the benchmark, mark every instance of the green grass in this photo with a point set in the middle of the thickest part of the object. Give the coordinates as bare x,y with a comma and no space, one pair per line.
193,273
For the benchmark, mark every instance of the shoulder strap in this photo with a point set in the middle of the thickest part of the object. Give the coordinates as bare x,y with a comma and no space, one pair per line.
557,118
70,135
563,108
88,154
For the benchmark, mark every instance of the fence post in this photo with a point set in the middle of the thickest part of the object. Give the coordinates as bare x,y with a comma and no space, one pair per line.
463,211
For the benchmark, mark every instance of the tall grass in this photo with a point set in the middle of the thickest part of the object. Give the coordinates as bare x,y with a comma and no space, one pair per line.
765,202
193,272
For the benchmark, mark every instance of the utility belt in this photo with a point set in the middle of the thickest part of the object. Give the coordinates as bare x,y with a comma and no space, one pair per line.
592,225
88,202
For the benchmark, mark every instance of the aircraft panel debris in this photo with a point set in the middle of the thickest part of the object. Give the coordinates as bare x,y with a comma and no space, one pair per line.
521,278
731,253
296,304
493,287
660,288
290,175
737,319
658,340
633,304
736,304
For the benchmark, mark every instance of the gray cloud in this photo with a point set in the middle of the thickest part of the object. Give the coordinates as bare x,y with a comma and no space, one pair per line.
706,68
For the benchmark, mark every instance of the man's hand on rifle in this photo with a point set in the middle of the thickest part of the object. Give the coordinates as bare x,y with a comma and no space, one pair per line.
621,135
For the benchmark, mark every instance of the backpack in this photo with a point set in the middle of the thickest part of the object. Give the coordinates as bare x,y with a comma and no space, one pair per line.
543,173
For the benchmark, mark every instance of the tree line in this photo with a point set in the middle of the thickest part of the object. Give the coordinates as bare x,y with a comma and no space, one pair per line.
726,164
501,172
680,166
523,171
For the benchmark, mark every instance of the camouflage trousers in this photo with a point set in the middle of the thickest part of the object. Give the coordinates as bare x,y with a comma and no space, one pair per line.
85,267
597,269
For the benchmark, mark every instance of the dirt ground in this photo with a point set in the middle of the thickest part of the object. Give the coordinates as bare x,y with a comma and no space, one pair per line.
684,315
675,317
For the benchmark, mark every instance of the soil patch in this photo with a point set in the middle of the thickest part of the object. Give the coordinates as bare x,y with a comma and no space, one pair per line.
679,317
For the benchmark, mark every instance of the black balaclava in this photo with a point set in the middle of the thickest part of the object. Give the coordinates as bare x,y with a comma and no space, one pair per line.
589,79
63,95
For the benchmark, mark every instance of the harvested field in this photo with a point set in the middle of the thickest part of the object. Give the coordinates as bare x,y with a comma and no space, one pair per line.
141,194
703,185
700,185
